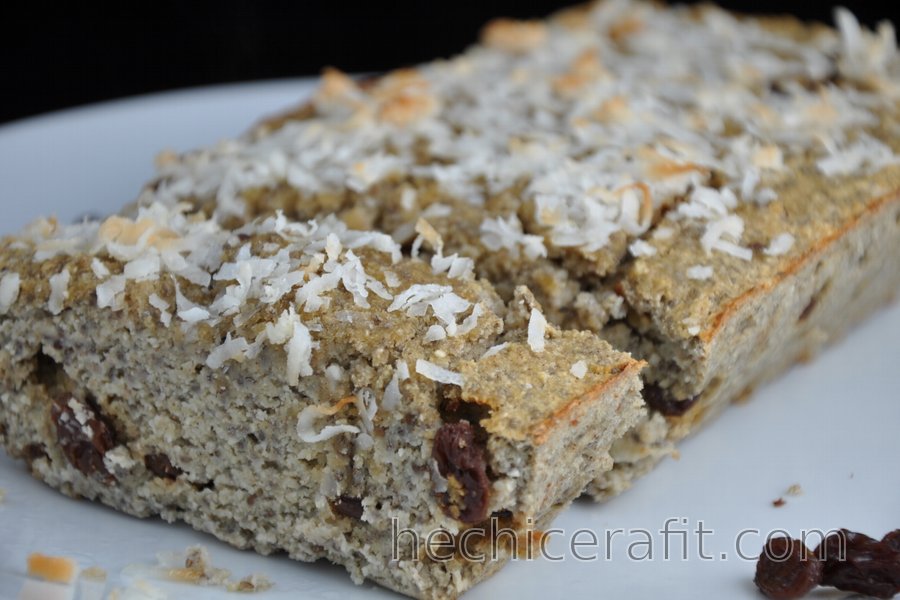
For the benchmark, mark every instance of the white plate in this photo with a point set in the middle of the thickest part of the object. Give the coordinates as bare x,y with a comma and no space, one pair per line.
831,426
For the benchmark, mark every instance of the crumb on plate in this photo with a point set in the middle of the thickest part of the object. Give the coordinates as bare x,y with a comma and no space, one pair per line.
59,569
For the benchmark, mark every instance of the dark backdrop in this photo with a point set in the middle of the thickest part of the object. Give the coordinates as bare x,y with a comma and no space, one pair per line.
52,58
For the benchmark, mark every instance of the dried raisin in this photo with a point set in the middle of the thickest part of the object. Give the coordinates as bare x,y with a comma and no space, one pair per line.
348,506
84,436
160,465
461,460
787,569
854,562
661,401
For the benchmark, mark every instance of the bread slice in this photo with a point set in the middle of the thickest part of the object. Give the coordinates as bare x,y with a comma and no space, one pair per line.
716,194
299,387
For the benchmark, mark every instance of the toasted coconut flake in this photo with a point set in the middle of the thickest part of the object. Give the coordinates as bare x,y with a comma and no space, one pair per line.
335,86
402,370
194,314
391,279
729,225
367,406
865,154
58,569
514,36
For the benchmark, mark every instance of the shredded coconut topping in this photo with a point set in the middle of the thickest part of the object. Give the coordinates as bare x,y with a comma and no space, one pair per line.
111,292
864,154
314,261
641,248
59,291
579,369
431,371
507,233
100,270
496,349
780,244
9,291
444,303
308,416
537,330
594,127
435,333
231,349
700,272
392,394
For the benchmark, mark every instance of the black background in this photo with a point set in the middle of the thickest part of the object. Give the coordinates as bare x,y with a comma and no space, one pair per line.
53,58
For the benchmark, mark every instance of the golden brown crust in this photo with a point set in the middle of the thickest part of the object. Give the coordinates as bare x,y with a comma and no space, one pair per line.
514,36
795,264
542,430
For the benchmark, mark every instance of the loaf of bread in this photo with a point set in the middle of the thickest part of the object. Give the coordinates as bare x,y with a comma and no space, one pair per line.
717,194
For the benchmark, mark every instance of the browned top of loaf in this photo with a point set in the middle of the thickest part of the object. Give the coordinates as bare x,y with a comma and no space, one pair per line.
695,154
